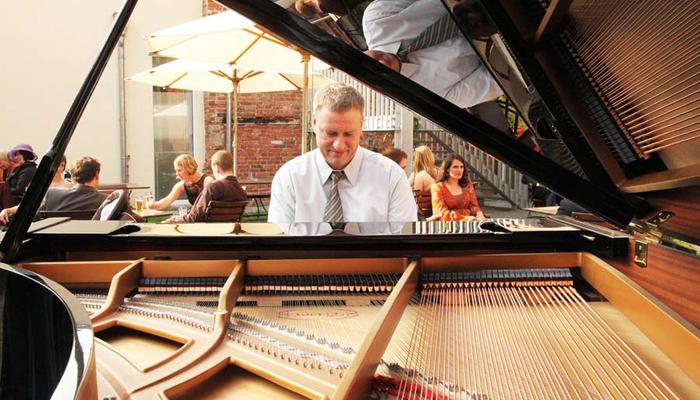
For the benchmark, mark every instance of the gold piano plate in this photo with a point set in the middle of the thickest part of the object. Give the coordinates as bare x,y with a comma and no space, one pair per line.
345,328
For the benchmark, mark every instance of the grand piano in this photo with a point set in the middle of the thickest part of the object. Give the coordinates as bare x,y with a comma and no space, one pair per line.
539,308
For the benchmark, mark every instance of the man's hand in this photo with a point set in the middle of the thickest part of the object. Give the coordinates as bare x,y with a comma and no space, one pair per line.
390,60
5,216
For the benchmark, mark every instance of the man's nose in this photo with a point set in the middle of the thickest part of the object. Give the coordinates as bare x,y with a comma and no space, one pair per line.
338,144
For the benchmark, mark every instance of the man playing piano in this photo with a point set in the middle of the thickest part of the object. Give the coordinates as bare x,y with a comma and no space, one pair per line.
340,181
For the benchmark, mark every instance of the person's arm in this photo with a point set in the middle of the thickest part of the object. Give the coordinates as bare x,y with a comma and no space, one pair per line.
439,206
384,31
423,181
470,193
199,209
402,206
166,201
6,214
474,89
282,199
207,180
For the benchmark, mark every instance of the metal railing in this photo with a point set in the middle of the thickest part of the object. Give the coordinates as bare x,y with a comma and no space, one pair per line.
503,179
380,111
381,115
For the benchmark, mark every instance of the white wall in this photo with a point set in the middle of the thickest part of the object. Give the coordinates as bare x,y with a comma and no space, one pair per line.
48,48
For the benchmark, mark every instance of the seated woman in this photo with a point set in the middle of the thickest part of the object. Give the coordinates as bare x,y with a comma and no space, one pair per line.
191,182
5,166
424,172
454,197
23,159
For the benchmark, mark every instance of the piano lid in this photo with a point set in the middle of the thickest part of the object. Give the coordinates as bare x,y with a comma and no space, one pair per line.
610,120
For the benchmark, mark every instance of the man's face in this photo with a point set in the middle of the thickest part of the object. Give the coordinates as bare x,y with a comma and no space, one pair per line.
403,163
337,135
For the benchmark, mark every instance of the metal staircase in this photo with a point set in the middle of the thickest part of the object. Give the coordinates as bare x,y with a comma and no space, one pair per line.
497,184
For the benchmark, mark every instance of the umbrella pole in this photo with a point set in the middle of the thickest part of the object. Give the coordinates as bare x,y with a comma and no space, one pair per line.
227,144
235,127
304,107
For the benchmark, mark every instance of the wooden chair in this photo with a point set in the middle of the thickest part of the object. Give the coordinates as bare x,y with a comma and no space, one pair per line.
225,211
75,214
424,203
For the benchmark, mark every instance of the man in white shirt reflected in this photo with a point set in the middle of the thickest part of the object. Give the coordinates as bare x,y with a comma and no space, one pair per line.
372,188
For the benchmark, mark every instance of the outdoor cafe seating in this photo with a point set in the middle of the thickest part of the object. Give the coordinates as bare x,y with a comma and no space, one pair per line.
225,211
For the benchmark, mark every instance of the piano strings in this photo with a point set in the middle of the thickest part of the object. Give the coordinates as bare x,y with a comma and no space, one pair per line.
524,334
491,334
314,321
643,58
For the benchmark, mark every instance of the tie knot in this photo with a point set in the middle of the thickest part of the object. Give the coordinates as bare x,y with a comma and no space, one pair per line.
337,175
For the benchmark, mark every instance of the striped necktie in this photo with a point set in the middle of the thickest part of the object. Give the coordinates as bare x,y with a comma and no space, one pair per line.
334,209
441,30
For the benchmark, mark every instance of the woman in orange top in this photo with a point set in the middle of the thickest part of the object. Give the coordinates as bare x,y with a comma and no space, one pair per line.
453,196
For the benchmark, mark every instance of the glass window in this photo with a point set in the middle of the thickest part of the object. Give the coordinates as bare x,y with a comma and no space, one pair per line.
172,132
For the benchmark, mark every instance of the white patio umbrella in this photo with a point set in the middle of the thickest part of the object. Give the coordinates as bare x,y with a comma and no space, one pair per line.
192,75
229,38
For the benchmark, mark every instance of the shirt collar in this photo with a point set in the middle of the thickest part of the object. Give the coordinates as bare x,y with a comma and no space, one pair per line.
82,187
352,170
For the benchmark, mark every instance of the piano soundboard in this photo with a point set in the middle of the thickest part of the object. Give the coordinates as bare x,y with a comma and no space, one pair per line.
529,326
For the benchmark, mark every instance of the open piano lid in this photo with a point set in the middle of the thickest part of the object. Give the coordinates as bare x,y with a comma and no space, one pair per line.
611,91
599,171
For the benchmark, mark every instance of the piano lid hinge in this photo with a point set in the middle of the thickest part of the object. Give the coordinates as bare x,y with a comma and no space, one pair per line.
650,229
641,252
661,217
650,234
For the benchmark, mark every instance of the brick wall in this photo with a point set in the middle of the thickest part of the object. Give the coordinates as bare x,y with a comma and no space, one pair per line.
269,128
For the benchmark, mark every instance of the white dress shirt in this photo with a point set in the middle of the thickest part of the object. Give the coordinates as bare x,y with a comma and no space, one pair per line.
450,69
375,190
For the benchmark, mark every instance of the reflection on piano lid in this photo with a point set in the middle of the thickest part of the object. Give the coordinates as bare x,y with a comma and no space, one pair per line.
583,127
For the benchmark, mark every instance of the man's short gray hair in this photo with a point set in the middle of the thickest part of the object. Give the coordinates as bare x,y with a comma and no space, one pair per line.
338,97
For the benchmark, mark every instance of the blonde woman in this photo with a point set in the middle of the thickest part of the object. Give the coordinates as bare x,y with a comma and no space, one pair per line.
424,172
191,182
5,165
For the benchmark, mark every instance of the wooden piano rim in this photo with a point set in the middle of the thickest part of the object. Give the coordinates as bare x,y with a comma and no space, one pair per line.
678,339
670,179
